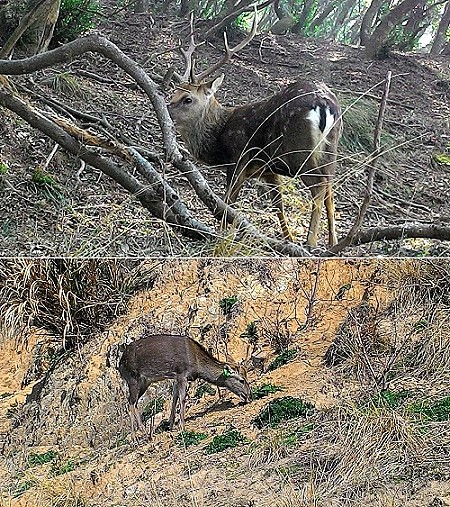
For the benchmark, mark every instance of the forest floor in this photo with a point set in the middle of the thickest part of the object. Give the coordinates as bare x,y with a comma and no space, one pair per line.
65,433
79,211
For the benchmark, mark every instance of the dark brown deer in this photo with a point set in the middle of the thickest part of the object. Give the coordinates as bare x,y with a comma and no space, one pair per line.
293,133
159,357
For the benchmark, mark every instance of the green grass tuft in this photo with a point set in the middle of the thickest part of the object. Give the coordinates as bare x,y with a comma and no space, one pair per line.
226,304
60,468
282,409
153,407
231,438
35,459
439,411
188,438
41,177
391,399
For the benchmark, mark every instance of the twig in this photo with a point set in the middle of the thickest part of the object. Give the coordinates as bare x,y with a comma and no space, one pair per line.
347,240
51,155
411,204
379,99
75,113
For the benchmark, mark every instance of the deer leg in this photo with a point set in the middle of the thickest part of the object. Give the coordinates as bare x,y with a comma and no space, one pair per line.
182,394
173,411
236,176
274,183
318,192
329,205
136,420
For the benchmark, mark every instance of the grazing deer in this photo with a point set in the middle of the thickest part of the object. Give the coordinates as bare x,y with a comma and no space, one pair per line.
293,133
160,357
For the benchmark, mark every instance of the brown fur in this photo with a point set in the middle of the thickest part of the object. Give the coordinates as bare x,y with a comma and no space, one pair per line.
158,357
265,139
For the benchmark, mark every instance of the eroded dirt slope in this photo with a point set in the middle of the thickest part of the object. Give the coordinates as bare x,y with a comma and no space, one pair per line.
80,411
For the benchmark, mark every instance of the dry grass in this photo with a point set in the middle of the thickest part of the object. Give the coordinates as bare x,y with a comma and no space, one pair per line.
69,298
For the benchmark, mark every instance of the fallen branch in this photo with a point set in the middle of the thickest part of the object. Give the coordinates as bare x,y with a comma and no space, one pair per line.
401,232
149,197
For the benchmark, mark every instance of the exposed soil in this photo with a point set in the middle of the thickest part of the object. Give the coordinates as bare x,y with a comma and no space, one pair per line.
80,412
84,213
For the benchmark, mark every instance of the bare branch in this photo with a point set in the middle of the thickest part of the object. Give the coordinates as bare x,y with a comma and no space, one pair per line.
161,200
439,232
347,240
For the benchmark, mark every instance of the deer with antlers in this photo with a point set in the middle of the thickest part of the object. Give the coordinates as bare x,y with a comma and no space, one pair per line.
292,133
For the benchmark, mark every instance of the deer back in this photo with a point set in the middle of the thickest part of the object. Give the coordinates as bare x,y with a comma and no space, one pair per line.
159,357
285,132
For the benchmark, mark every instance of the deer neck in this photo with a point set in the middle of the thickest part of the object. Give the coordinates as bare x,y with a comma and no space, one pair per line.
201,138
211,371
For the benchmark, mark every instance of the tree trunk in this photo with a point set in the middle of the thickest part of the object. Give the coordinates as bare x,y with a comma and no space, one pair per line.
318,20
41,20
369,20
376,45
439,39
299,27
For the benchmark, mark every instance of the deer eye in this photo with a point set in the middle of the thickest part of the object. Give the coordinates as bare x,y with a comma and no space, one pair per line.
187,100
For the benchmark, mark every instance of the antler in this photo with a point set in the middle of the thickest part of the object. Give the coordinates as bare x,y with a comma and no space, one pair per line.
229,52
189,73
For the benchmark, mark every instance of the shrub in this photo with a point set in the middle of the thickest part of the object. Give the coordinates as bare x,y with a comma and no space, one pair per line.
264,390
283,358
204,389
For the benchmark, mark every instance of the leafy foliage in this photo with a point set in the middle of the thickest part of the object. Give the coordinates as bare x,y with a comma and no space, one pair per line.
204,389
251,332
283,358
76,17
231,438
264,390
188,438
282,409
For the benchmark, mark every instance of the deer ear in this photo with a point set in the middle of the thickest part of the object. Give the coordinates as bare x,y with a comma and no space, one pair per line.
214,85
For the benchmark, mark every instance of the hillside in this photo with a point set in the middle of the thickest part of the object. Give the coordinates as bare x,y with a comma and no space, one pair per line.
372,342
74,209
